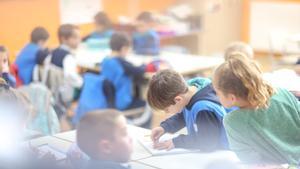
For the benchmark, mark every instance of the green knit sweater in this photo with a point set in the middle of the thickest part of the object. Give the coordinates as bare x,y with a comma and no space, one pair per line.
270,135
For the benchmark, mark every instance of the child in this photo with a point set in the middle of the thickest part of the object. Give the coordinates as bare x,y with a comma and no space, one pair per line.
63,56
26,60
266,127
4,67
103,136
146,40
239,47
195,106
122,73
102,28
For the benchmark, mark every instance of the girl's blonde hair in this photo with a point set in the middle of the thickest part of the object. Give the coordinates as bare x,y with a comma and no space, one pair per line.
242,77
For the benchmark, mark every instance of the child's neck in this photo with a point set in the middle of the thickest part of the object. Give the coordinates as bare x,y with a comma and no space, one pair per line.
116,54
192,90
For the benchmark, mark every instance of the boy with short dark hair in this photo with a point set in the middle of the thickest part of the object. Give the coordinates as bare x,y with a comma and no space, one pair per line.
146,40
4,67
26,60
122,73
63,56
103,136
194,105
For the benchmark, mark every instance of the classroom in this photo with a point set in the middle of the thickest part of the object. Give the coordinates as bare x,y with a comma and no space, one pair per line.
140,84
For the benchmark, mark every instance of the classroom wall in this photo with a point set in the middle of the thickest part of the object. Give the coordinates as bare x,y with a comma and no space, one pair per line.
19,17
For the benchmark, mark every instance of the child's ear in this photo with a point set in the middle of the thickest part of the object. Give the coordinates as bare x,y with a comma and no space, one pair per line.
105,146
232,98
177,99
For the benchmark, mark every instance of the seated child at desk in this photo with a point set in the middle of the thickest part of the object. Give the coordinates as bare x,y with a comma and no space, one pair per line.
103,136
146,40
266,127
194,105
4,67
122,73
63,56
103,30
26,60
239,47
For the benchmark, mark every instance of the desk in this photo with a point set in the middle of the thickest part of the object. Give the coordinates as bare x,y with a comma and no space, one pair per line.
185,64
284,78
141,159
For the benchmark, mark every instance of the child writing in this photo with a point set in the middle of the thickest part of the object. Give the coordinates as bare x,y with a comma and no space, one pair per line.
265,128
4,67
122,73
26,60
103,136
146,40
194,105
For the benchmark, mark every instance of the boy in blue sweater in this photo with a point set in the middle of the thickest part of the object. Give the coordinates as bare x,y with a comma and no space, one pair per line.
194,105
26,60
146,40
123,74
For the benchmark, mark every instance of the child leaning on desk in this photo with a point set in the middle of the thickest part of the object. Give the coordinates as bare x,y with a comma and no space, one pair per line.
265,128
194,105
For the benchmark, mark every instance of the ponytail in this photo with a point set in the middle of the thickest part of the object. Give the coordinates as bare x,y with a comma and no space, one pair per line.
242,77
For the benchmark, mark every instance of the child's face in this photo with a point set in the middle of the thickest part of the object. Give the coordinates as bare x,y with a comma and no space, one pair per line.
142,26
177,107
99,27
74,41
227,100
43,43
121,145
3,62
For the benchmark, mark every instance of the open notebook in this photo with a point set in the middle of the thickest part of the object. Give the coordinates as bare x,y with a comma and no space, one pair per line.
147,143
58,154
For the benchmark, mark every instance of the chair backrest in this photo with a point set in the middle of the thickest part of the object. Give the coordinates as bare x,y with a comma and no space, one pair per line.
44,118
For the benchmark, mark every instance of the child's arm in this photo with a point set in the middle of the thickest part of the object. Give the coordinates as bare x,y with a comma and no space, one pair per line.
131,70
207,136
9,79
174,123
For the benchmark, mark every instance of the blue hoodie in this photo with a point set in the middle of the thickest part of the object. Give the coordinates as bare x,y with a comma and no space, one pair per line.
147,43
203,117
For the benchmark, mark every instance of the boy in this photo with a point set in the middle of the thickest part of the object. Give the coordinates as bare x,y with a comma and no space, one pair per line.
63,56
26,60
122,73
103,136
4,68
103,29
195,106
146,40
239,47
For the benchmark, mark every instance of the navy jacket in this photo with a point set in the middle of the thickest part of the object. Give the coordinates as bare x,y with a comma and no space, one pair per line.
203,117
10,80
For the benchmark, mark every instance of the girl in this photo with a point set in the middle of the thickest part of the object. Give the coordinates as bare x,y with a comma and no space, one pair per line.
266,128
4,67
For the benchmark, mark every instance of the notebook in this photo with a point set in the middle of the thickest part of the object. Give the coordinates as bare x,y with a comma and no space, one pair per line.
46,148
147,143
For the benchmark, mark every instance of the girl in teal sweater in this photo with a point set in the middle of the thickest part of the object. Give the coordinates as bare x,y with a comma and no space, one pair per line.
266,128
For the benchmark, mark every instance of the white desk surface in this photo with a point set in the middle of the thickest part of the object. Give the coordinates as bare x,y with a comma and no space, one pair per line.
183,63
284,78
141,159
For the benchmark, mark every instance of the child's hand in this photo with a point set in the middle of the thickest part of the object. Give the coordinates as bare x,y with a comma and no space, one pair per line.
156,133
166,145
5,68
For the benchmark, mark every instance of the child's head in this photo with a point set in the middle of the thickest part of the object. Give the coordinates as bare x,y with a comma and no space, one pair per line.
103,135
102,22
238,82
69,35
39,36
3,59
239,47
144,21
167,91
120,43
